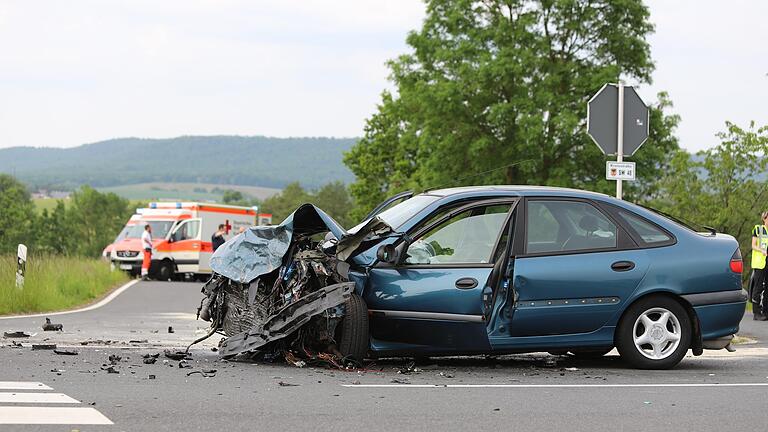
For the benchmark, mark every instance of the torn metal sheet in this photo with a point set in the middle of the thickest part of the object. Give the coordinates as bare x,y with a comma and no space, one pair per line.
287,320
262,249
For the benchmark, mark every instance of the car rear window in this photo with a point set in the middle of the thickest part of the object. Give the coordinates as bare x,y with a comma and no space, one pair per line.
646,230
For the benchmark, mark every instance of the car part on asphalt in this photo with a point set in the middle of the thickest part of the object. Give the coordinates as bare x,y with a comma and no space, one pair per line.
48,326
17,334
44,346
177,355
65,352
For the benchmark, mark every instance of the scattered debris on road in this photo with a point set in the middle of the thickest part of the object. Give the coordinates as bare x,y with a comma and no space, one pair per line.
184,365
138,341
49,326
207,373
170,329
110,369
114,359
65,352
44,346
17,334
150,358
97,342
178,355
286,384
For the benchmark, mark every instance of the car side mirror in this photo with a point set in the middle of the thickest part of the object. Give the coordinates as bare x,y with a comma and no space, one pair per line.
387,253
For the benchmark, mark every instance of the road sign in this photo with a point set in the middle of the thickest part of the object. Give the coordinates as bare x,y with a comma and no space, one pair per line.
617,121
603,116
619,170
21,266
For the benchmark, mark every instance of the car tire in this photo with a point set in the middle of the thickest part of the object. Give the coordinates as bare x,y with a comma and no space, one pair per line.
353,331
164,270
654,333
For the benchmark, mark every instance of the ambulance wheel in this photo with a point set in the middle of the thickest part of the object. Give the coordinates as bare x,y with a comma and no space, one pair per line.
164,270
352,334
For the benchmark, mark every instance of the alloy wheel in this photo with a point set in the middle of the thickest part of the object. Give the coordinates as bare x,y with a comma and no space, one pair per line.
657,333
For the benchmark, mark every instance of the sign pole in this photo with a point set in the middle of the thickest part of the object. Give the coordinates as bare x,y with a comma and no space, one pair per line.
620,138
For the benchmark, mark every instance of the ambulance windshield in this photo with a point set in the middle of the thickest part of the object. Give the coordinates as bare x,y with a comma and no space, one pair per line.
160,228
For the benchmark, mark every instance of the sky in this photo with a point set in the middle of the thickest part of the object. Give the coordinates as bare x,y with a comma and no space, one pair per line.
82,71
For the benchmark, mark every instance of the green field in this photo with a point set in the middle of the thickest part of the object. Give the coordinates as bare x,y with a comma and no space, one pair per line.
46,204
55,283
185,191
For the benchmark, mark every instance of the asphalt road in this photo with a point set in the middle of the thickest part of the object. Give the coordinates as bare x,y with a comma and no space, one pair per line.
717,391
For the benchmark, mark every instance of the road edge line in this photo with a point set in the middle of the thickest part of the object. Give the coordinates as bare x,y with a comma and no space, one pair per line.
101,303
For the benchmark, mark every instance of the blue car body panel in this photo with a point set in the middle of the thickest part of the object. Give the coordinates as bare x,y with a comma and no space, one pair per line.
549,302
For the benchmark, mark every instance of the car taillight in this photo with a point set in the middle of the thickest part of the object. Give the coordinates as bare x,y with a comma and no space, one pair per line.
737,266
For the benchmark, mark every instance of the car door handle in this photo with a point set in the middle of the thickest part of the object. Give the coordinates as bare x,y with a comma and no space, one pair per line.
622,266
466,283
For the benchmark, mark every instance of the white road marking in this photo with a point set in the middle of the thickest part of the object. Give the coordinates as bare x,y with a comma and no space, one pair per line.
29,398
23,385
528,386
103,302
52,415
44,414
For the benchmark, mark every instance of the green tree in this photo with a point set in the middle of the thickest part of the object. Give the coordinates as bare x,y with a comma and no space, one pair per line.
724,187
94,218
54,232
232,197
334,199
505,83
17,214
284,203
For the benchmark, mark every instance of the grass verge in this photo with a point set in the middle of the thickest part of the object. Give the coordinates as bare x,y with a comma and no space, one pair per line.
55,283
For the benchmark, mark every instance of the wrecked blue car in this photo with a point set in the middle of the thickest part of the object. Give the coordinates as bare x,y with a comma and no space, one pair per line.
478,270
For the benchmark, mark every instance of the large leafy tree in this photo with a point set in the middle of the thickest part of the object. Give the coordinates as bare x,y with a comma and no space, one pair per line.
504,83
723,187
17,214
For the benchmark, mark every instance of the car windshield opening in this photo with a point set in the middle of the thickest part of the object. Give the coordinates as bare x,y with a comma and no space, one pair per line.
397,215
159,228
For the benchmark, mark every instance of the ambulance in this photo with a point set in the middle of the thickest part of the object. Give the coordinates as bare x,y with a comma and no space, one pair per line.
181,235
107,252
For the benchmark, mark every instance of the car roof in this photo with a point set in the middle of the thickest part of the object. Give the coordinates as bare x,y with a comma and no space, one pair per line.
522,190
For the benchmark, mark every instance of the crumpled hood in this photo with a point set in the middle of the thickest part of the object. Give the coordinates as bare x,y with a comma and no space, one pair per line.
261,249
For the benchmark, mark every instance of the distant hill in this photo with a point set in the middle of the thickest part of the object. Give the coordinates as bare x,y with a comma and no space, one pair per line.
237,160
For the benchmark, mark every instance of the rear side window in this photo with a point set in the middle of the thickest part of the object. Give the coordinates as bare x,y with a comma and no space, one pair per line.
648,232
567,226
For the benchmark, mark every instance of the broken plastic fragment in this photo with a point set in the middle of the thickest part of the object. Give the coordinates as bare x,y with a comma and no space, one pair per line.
48,326
16,334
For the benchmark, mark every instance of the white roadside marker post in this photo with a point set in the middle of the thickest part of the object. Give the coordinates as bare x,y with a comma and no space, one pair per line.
21,266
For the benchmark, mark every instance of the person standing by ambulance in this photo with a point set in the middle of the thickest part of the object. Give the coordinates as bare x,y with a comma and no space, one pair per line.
146,244
757,291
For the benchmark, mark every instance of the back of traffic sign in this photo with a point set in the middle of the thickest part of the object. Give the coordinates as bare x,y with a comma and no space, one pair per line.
603,115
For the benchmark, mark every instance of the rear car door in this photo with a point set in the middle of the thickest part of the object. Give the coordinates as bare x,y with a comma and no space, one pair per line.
575,268
433,299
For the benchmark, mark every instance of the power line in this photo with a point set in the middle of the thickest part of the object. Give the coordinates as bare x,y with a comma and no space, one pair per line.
458,180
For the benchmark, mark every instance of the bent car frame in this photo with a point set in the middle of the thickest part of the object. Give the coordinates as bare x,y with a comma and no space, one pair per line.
479,270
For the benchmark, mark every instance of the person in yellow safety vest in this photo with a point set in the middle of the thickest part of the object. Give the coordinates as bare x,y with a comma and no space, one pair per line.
757,292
